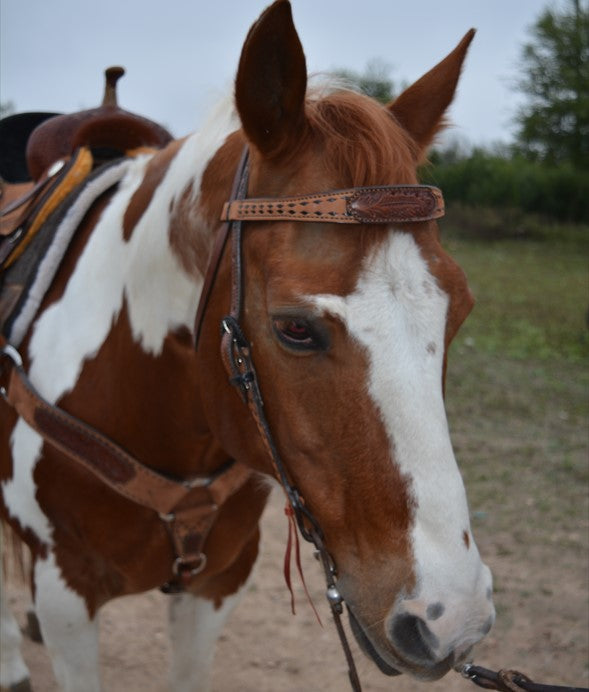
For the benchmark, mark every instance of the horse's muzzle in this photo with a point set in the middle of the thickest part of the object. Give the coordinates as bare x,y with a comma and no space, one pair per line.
410,646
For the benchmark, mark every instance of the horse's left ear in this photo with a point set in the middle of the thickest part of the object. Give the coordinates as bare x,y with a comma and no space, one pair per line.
271,82
420,108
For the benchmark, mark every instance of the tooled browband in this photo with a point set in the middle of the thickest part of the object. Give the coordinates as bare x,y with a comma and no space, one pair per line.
381,204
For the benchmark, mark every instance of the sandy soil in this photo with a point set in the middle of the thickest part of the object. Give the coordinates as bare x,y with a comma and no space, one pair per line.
541,629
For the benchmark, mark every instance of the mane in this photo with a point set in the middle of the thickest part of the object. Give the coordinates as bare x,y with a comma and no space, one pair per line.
361,137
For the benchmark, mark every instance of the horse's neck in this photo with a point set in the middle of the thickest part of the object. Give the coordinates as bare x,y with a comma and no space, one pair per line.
162,285
174,219
132,262
120,322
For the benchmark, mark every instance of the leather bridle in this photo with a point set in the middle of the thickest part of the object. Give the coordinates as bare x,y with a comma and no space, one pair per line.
189,507
381,204
391,204
375,205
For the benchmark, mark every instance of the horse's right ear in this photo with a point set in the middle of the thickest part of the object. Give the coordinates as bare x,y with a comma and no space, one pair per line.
271,82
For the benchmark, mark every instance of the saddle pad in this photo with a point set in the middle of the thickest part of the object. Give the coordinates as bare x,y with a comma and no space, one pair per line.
24,284
22,219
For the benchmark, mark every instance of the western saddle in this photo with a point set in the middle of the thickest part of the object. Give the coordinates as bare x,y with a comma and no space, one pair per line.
44,157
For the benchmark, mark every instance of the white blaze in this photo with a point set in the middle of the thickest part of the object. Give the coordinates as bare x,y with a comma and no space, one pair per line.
398,313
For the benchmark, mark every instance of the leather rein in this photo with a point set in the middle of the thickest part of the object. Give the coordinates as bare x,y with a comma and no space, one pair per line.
508,680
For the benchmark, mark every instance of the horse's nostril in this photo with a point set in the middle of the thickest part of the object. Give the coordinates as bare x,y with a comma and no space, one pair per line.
412,637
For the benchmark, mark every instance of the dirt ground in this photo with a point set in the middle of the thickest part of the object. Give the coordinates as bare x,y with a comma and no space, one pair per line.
541,629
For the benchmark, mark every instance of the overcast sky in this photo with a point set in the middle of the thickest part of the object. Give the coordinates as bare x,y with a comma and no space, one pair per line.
181,55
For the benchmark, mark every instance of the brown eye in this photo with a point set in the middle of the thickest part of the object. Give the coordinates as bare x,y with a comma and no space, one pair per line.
298,334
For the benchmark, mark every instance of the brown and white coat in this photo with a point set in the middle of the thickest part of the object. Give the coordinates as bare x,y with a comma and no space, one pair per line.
350,329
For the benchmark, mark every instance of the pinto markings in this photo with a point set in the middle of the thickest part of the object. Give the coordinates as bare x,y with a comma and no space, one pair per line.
69,633
161,297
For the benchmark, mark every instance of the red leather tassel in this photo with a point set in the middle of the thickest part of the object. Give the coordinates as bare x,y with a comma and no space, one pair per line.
294,534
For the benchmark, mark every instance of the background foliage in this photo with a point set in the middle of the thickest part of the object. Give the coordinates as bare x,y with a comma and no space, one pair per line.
546,170
554,123
556,191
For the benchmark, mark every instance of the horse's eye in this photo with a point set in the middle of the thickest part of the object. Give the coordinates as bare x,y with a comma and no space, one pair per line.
297,333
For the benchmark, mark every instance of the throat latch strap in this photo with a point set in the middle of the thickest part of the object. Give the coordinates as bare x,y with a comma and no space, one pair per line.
380,204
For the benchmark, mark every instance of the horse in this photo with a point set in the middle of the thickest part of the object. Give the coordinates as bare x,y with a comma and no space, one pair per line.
136,448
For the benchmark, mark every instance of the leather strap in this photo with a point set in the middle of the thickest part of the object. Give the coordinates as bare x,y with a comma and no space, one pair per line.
382,204
187,506
19,229
31,190
217,252
236,355
509,681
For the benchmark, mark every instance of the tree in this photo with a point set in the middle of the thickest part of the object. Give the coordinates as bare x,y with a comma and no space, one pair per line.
6,109
554,123
375,81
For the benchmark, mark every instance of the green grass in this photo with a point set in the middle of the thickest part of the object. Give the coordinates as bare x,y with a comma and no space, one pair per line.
532,295
520,431
518,387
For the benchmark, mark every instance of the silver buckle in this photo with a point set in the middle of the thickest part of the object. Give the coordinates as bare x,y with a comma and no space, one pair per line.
10,352
181,565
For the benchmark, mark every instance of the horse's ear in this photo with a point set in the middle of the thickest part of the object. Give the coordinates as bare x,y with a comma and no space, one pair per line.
272,81
420,108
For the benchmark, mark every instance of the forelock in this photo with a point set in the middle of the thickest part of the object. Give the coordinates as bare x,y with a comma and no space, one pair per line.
360,137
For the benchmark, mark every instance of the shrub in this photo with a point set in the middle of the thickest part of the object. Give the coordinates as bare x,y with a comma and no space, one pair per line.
489,180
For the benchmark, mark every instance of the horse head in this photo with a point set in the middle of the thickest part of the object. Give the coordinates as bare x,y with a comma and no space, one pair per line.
349,329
